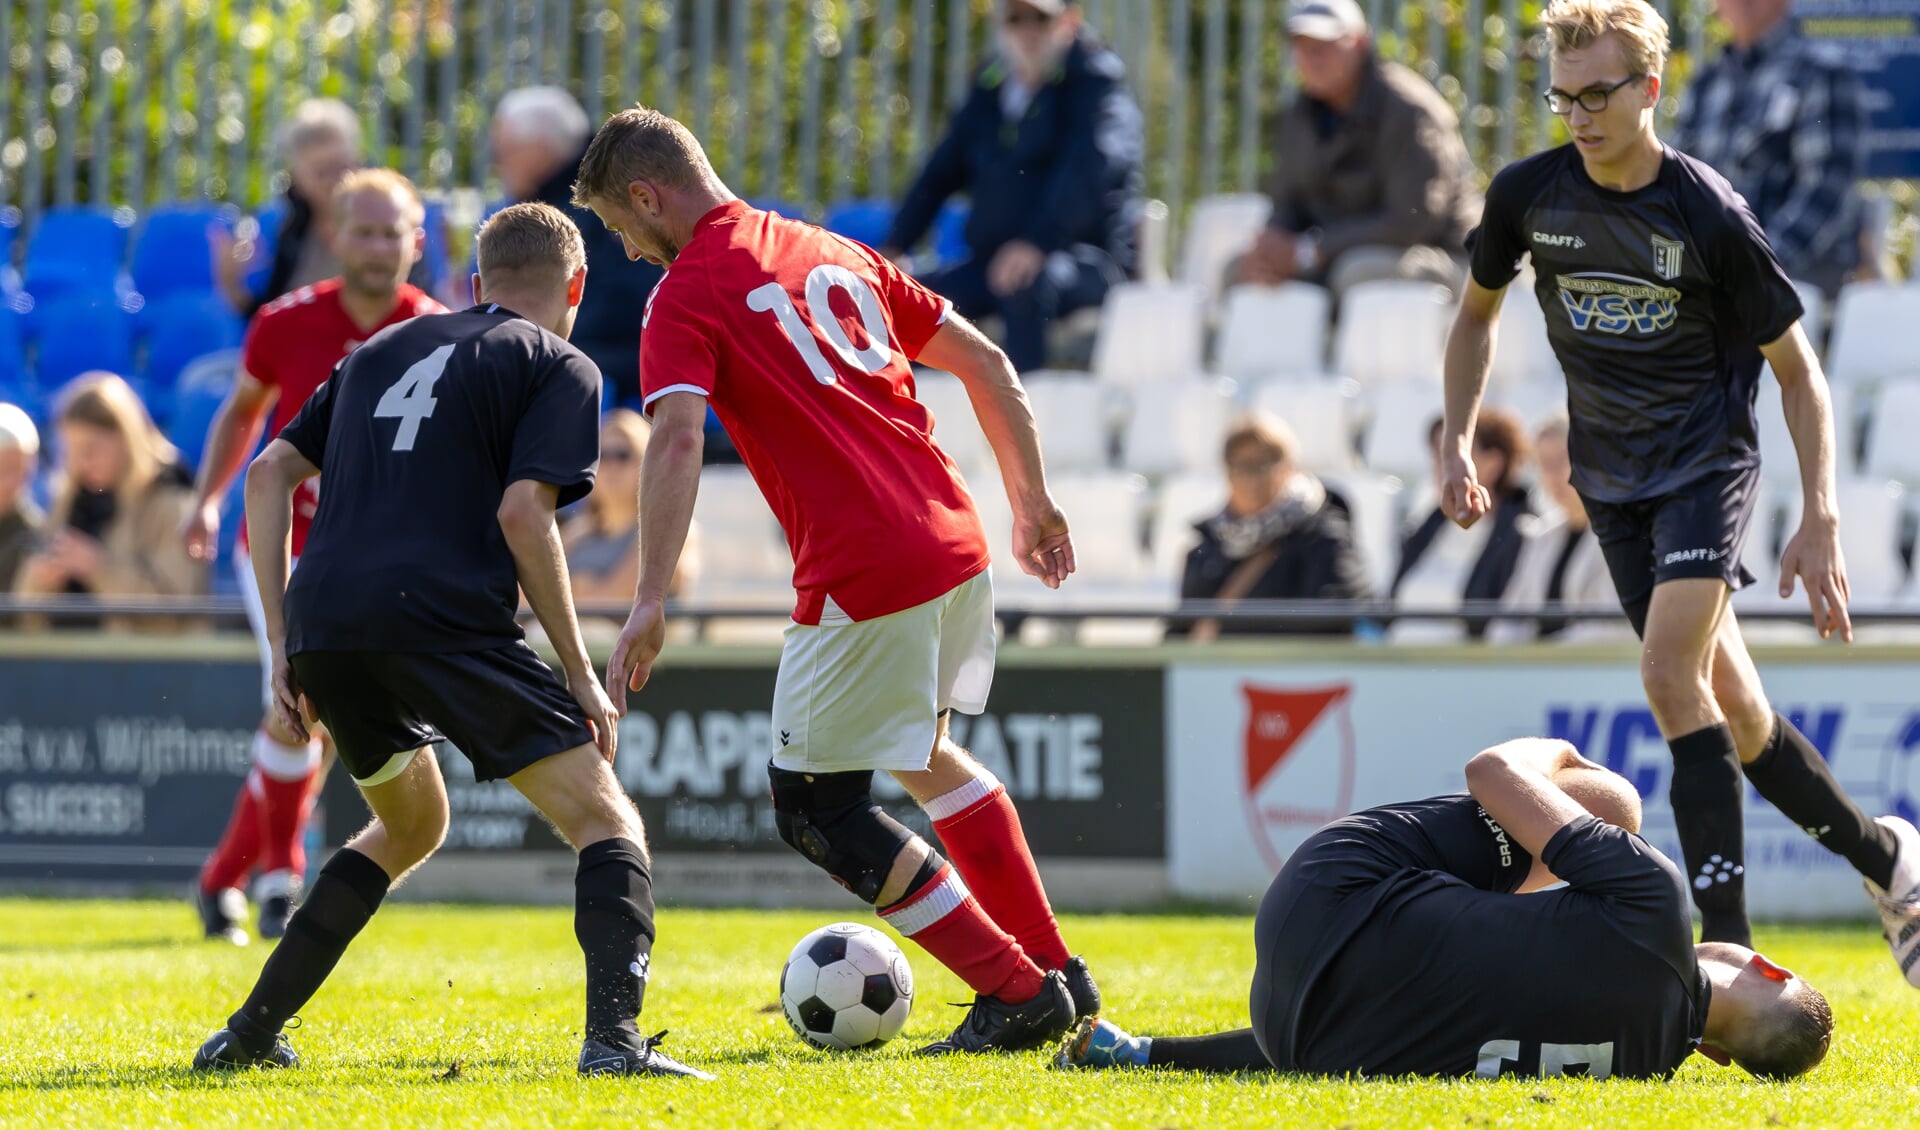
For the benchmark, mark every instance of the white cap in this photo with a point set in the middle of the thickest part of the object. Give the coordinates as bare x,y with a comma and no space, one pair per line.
1326,20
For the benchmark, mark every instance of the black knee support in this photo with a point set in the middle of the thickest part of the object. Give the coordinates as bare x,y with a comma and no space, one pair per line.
831,818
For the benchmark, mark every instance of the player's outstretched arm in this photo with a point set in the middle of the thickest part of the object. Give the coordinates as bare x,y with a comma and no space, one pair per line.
669,481
270,483
1813,553
1040,538
1516,783
1469,356
234,431
526,520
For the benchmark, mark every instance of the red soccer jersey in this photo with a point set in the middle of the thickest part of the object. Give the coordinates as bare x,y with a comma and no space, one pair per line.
800,340
293,345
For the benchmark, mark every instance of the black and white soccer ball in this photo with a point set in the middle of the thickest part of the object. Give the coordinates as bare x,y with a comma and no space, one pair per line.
846,986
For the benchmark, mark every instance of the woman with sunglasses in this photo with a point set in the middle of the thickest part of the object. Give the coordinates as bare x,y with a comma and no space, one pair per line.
602,541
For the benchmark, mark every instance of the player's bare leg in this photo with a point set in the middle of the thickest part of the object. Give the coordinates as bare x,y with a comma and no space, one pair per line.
613,906
1788,770
410,821
981,829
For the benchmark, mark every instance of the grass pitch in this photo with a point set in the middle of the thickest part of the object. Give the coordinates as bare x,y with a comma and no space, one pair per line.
468,1016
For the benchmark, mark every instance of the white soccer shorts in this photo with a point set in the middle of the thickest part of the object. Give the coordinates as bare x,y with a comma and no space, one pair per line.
868,694
257,619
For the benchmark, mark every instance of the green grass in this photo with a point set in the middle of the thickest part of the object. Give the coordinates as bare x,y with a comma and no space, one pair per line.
102,1004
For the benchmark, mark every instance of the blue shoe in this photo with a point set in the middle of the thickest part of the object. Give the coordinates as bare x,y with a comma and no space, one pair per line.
1097,1043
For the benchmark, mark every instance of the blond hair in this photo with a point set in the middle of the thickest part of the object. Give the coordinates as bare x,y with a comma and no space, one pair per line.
1263,430
604,506
103,400
640,144
533,243
1572,25
388,181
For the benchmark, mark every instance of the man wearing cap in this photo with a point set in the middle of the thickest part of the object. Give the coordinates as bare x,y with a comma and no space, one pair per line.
1371,178
1048,147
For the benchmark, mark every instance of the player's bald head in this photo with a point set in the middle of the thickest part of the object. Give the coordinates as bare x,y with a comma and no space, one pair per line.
1604,793
640,144
530,245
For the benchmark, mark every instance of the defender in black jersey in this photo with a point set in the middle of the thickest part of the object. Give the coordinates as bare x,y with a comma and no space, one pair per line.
447,442
1408,940
1662,300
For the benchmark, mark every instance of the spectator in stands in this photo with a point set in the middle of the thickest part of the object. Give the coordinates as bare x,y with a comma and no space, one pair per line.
539,135
1784,119
1371,179
20,519
1561,562
122,496
1442,564
1282,536
1047,147
602,541
321,144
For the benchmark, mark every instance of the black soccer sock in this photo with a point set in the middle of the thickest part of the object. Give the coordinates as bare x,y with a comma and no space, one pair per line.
1223,1051
1706,813
613,921
347,892
1794,778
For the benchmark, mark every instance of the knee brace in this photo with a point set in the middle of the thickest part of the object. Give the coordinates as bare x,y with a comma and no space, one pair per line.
833,821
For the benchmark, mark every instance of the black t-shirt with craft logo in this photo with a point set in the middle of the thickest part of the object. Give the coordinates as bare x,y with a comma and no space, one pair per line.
1657,301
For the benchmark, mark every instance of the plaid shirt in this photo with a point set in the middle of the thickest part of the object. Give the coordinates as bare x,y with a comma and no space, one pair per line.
1784,121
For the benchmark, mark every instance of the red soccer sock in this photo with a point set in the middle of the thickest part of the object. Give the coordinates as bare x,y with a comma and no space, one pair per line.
233,856
286,776
946,922
980,830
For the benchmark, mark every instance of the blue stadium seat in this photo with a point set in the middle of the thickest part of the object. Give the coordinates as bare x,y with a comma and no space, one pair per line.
172,253
14,386
270,216
181,328
9,229
77,249
950,234
197,394
864,220
437,251
78,332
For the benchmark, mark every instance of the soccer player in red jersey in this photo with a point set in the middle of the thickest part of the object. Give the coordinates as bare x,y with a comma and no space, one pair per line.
801,340
290,349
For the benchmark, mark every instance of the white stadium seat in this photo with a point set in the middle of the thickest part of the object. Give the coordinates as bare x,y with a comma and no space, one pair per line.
1182,502
1522,353
1373,501
1534,401
1149,332
1273,331
1104,511
1892,452
1872,341
1321,415
955,428
1762,557
1392,332
1070,411
1814,300
1870,513
743,555
1396,438
1220,231
1177,425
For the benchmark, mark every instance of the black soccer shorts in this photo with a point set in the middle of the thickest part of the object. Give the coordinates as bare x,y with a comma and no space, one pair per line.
1698,530
503,707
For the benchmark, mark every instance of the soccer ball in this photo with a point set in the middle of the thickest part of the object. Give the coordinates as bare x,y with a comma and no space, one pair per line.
846,986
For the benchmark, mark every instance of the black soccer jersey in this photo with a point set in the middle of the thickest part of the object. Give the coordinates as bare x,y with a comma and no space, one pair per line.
418,434
1657,301
1448,977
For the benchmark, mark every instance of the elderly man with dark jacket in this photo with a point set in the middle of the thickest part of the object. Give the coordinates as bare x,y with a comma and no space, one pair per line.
539,136
1048,147
1371,178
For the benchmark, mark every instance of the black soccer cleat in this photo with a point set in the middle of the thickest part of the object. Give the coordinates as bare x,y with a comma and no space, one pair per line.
994,1025
275,910
223,1051
1086,994
220,914
597,1058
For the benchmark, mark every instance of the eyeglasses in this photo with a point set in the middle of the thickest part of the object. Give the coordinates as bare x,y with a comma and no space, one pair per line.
1592,100
1252,468
1020,17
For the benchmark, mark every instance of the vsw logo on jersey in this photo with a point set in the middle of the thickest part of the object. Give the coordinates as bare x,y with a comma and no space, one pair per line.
1597,302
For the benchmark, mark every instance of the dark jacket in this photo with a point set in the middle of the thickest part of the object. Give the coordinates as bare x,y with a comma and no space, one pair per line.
1068,172
1393,171
607,329
1494,569
1318,559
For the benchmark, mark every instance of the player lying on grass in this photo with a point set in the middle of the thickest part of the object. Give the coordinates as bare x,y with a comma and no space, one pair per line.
447,442
1406,940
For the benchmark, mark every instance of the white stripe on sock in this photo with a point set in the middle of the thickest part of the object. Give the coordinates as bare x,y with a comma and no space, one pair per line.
285,762
965,797
939,901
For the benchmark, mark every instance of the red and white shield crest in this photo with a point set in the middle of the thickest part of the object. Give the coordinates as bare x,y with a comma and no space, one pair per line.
1299,763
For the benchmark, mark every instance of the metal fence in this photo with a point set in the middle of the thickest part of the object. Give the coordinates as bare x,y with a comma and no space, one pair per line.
124,102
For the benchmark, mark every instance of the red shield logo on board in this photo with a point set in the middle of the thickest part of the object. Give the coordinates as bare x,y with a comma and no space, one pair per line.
1299,762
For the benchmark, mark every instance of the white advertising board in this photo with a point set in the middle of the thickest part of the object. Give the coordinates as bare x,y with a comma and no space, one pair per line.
1261,755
